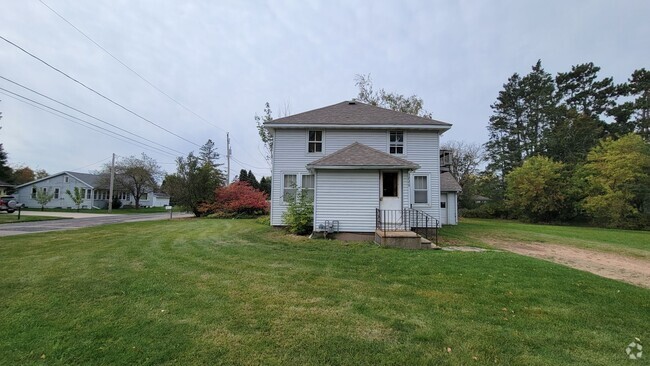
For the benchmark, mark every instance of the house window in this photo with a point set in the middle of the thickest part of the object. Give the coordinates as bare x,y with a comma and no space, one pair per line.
315,144
420,189
56,193
33,192
290,187
88,193
443,204
144,197
308,186
65,179
396,142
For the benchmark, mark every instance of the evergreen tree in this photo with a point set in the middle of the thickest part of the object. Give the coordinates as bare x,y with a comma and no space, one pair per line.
639,87
243,176
525,110
253,180
581,90
265,185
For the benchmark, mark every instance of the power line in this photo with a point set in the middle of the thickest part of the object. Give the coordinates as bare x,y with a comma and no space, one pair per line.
86,114
203,119
96,92
89,165
246,164
98,128
132,70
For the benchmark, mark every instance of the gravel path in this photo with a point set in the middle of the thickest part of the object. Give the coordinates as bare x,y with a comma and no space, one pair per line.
611,265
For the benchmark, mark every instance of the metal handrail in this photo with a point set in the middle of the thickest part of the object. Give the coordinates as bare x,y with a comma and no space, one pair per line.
407,219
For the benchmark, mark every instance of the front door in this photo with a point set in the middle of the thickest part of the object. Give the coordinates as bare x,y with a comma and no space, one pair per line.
391,197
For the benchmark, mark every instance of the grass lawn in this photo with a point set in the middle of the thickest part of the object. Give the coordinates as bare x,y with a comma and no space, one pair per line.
476,231
13,218
202,291
147,210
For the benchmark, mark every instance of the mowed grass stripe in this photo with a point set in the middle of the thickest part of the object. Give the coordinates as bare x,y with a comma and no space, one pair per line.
237,292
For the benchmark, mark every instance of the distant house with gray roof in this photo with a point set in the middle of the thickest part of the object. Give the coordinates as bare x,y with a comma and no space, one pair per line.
96,195
363,165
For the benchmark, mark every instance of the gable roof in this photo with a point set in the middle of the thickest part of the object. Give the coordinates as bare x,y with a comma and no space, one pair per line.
448,183
360,156
5,184
90,180
353,113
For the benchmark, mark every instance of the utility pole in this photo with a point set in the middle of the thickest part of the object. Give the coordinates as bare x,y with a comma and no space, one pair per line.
110,189
228,154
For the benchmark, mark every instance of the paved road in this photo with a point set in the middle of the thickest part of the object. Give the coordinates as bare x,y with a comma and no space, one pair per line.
79,221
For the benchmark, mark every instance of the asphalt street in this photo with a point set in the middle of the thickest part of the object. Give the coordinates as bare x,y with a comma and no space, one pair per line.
79,221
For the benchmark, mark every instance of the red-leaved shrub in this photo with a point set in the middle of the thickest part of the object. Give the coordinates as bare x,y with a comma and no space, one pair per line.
238,198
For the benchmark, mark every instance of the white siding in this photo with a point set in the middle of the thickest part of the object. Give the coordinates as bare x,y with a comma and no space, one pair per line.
348,196
290,156
422,148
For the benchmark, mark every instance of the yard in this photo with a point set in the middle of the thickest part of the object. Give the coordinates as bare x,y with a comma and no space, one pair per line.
237,292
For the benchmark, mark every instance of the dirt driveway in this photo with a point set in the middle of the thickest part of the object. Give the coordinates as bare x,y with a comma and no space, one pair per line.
619,267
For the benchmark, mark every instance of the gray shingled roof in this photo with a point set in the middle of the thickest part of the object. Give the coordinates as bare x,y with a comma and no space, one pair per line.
360,156
355,113
448,183
5,184
91,179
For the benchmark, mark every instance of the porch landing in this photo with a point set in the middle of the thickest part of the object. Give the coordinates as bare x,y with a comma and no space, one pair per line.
403,239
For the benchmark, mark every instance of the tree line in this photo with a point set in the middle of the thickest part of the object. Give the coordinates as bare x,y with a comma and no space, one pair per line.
569,147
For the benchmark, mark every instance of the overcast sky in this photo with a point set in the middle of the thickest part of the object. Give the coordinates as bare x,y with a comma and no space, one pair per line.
224,59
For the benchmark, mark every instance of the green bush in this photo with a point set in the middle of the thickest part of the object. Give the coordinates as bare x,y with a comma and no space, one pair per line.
299,216
489,210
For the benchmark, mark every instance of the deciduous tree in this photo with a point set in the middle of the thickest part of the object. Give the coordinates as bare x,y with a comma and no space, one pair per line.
76,196
618,176
42,197
536,190
394,101
196,179
134,175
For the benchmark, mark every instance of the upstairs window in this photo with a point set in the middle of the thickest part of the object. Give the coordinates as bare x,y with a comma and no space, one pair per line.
396,142
315,143
65,179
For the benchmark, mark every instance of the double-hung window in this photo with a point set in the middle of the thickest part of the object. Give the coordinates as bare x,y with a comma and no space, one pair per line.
56,193
315,142
33,192
396,142
290,187
421,189
308,186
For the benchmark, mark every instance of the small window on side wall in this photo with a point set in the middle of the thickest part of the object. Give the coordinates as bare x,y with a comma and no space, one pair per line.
315,143
308,186
420,189
289,188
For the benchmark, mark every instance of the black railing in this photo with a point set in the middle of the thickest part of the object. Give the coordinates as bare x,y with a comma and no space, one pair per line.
408,219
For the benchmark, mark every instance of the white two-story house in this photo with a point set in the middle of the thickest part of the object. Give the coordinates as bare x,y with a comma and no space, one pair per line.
362,164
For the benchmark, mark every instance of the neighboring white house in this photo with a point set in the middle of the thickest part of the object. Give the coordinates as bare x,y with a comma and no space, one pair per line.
360,162
95,195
